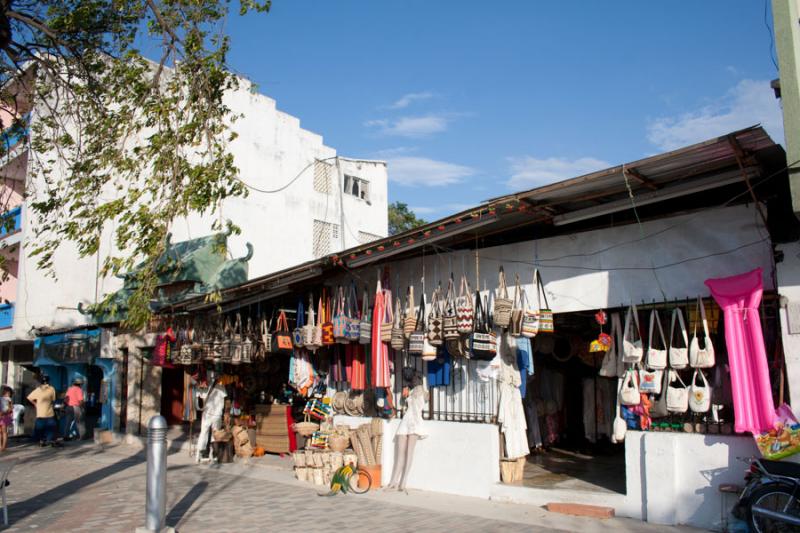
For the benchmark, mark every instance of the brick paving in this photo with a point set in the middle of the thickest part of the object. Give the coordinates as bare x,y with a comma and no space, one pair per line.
84,488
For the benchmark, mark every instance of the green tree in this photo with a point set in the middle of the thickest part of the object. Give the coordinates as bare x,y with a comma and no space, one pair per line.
121,145
401,218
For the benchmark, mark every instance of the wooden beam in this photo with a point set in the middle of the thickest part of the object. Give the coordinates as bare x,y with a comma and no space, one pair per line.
647,182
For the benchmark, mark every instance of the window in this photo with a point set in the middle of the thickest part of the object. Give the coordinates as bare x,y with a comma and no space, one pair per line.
325,239
364,237
322,177
356,187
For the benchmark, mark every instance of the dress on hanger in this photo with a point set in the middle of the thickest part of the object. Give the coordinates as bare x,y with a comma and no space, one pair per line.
739,297
412,423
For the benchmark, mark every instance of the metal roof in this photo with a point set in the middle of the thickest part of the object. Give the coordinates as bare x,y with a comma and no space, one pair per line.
740,155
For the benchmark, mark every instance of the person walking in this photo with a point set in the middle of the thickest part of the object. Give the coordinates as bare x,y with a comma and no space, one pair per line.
73,401
6,415
42,398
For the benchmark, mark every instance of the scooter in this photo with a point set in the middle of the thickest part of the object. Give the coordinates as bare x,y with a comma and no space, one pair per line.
770,501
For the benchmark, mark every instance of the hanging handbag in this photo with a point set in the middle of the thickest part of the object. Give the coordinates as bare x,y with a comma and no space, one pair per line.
222,345
311,340
236,341
677,395
656,357
456,347
434,321
502,303
326,320
282,339
449,316
365,325
300,321
619,428
650,381
266,336
410,319
629,391
632,350
416,341
543,317
678,356
465,310
353,330
659,407
701,357
699,395
341,321
609,366
387,323
398,338
483,341
517,311
247,342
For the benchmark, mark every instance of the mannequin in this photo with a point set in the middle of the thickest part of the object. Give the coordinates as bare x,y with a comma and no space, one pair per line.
213,407
408,433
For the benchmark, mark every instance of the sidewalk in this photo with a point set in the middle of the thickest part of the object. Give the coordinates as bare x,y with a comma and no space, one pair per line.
85,487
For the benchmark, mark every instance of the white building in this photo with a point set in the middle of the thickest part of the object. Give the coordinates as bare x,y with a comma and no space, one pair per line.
322,203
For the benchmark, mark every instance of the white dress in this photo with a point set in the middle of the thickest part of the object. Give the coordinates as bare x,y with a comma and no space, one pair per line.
412,422
511,414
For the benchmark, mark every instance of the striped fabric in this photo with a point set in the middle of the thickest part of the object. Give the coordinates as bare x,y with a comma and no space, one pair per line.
380,350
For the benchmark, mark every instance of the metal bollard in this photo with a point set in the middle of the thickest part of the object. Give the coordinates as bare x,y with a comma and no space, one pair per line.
156,498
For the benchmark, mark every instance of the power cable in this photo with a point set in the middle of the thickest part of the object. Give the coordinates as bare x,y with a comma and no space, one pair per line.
771,36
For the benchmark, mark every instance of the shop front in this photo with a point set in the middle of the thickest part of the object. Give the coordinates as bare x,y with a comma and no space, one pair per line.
513,352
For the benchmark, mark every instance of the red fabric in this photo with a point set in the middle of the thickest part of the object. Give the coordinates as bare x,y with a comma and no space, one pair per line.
359,374
380,350
289,424
348,361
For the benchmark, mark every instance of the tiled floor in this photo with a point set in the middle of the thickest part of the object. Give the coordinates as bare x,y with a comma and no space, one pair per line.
563,469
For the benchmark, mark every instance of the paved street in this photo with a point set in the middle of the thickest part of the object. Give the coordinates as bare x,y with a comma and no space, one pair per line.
86,488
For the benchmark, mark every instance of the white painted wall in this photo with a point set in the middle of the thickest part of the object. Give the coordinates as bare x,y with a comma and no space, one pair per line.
788,278
455,457
271,150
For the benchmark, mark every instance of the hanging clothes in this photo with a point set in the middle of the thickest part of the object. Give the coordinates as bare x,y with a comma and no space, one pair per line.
381,377
510,413
524,362
358,378
739,298
439,369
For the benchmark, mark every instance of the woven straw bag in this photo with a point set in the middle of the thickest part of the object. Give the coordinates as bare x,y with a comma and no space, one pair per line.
410,319
465,310
416,341
365,326
398,339
449,316
502,303
306,428
435,329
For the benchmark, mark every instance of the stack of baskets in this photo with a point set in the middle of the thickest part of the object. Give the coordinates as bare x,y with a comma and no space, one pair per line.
318,466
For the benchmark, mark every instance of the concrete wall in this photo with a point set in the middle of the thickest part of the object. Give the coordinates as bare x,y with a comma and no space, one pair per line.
455,458
788,278
143,395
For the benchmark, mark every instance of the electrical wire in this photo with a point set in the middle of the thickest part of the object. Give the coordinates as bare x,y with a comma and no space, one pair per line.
771,36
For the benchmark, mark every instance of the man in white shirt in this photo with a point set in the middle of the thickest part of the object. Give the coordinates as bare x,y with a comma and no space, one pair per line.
213,408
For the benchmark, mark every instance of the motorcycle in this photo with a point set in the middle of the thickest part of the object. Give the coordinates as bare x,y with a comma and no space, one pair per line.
770,501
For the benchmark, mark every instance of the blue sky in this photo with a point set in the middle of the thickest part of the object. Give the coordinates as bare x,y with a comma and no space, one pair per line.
469,100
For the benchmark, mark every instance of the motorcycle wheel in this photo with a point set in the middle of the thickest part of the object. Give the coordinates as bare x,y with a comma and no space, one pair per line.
778,498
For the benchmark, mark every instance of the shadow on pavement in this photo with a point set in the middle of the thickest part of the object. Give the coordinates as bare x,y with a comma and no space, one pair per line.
179,509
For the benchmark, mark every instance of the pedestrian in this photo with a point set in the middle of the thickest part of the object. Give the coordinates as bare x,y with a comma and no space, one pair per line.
42,398
73,400
6,415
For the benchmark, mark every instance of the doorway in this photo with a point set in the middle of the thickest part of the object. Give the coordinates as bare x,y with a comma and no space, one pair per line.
172,395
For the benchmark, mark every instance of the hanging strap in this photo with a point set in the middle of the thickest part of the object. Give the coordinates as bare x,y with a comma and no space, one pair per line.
410,301
701,315
398,313
539,287
502,286
656,320
237,328
301,315
388,311
321,308
631,320
517,303
311,314
677,317
421,313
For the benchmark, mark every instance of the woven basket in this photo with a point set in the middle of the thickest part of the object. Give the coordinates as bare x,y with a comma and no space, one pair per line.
366,444
306,428
338,443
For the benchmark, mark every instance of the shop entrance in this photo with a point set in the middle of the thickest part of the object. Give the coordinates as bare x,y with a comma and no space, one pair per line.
172,395
570,411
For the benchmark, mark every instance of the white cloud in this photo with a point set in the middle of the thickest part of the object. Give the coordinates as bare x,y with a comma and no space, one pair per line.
530,172
749,102
422,126
388,153
422,171
408,99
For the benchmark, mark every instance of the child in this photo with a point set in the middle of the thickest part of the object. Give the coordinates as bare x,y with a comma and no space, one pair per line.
6,416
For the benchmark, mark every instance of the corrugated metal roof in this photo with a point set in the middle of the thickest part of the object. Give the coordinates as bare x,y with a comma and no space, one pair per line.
685,165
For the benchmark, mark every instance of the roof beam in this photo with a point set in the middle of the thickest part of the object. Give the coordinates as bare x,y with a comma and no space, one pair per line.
638,176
